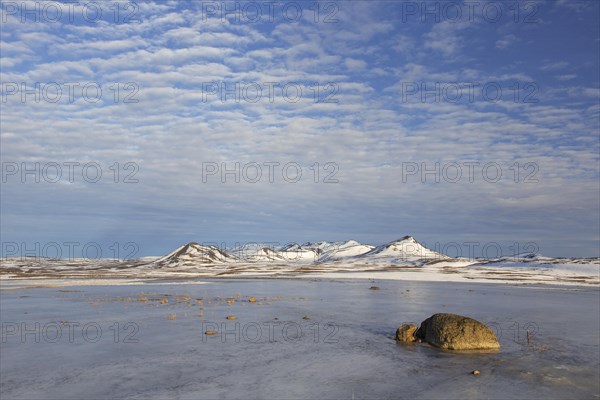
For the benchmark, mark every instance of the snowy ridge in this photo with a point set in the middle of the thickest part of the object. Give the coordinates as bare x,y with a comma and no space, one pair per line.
348,257
198,254
404,258
193,254
326,251
405,249
257,252
343,250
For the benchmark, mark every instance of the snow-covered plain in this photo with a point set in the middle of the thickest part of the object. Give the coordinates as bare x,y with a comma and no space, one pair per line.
403,259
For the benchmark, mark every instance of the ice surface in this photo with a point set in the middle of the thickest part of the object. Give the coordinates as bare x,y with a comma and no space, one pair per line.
356,359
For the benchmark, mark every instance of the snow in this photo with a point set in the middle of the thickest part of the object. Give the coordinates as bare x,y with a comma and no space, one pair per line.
407,249
403,259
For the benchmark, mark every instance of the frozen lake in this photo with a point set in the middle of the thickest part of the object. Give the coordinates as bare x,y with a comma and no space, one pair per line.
152,342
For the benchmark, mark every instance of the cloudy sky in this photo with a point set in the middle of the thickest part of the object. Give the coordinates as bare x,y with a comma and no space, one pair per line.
368,120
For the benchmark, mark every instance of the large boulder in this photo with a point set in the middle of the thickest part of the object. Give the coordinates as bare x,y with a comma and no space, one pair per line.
455,332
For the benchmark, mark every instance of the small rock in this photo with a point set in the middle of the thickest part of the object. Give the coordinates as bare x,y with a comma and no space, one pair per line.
231,317
305,317
251,299
406,333
164,301
374,288
475,372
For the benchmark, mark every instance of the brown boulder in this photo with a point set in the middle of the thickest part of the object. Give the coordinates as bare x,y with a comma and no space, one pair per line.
455,332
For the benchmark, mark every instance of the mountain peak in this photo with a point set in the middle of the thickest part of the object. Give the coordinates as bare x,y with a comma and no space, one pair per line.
406,248
402,241
195,253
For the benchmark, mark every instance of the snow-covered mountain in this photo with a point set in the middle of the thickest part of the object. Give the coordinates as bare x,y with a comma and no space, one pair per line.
342,250
405,249
406,258
256,252
324,251
193,254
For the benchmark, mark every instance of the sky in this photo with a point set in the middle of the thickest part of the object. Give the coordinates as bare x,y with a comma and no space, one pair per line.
130,128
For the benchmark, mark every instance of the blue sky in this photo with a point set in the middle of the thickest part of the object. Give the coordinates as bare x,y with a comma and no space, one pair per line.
369,126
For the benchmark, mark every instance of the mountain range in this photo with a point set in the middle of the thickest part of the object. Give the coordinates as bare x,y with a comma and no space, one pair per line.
404,258
406,250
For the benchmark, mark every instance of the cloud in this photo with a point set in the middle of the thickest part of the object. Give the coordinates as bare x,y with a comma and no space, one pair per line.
445,37
354,64
369,131
554,66
506,41
566,77
403,44
577,6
